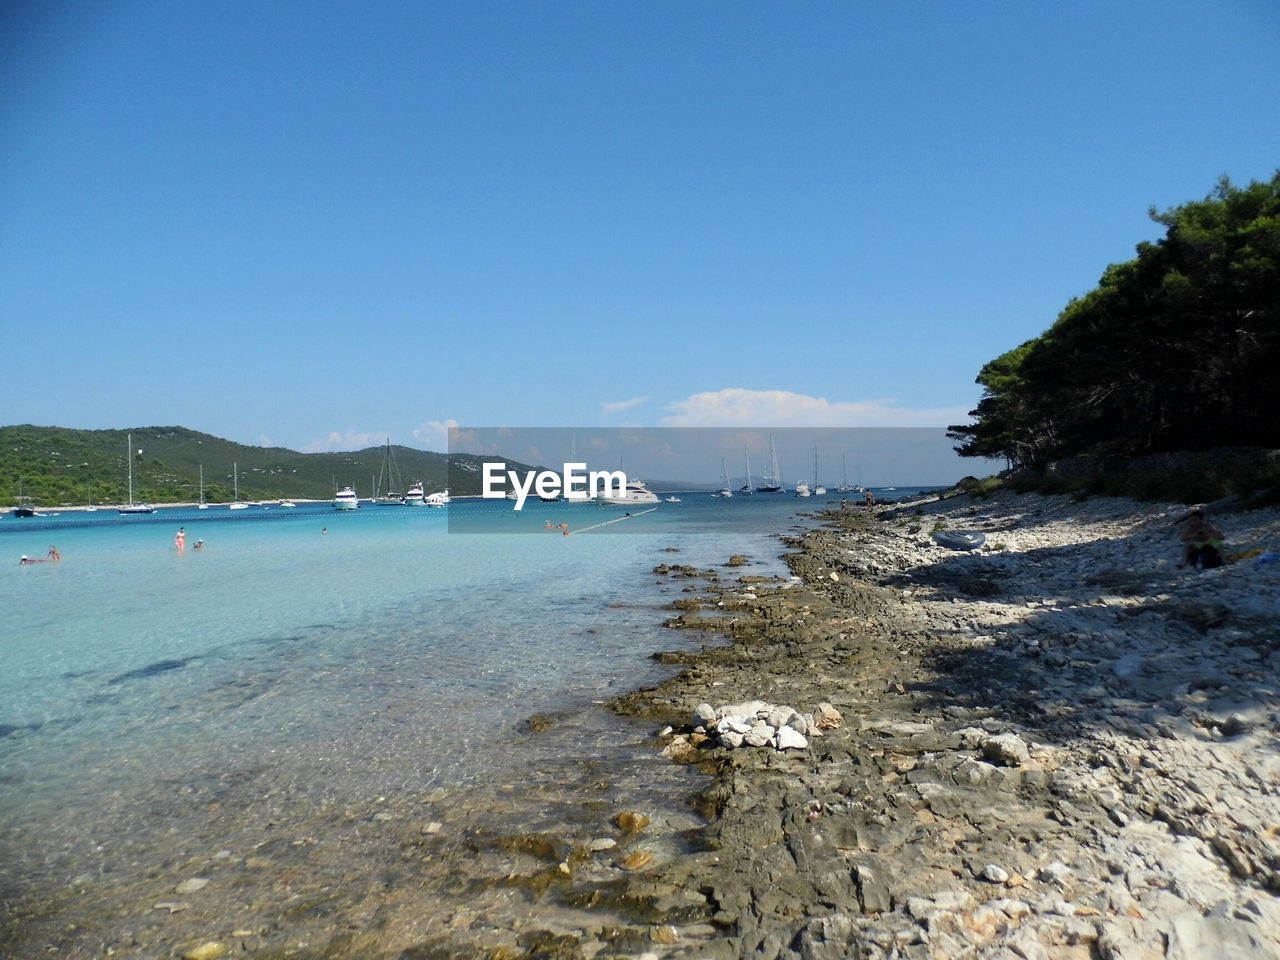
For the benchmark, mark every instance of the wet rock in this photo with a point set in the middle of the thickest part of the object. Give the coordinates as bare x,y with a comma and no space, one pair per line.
631,821
737,560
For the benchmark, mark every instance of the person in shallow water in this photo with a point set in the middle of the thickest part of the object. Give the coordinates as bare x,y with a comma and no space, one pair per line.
180,539
27,561
53,553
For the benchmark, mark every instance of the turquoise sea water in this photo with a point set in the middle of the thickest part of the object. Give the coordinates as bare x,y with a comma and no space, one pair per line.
150,697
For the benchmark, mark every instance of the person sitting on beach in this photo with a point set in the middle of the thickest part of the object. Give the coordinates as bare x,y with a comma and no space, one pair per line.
53,553
1203,542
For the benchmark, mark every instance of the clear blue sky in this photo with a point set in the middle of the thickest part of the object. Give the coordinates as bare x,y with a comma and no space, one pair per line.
311,224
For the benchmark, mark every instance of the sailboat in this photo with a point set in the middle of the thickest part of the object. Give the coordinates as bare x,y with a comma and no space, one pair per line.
132,507
726,490
24,507
745,489
237,503
390,469
772,482
818,490
202,505
844,487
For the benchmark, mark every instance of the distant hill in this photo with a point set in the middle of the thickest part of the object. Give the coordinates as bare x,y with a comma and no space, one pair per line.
59,467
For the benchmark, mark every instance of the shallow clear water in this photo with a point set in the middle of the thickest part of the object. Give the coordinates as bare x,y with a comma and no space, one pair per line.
149,697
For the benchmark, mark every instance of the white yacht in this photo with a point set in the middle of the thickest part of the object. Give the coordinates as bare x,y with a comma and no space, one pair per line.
287,503
346,500
802,489
634,493
414,497
436,499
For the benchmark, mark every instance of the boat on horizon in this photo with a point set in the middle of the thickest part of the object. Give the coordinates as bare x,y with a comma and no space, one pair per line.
346,499
237,503
391,470
202,505
745,489
772,482
132,507
727,490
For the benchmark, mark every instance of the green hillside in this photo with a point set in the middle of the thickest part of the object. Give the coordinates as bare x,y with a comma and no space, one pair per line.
60,467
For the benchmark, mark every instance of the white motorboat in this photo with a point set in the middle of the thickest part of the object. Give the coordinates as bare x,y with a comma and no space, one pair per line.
346,499
672,500
440,499
414,496
287,503
635,492
802,489
132,507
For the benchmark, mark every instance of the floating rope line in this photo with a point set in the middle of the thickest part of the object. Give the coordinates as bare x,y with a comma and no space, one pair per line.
629,516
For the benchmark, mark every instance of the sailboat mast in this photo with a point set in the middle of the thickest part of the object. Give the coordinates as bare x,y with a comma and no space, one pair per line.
129,458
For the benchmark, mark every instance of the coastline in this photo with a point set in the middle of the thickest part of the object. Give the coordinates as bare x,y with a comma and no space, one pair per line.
993,716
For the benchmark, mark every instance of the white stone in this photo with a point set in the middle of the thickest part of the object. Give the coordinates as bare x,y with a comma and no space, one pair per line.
789,739
192,885
780,716
759,735
995,873
731,740
1054,872
734,724
704,715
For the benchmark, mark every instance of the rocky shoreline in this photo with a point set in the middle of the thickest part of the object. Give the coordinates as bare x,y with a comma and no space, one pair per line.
1062,746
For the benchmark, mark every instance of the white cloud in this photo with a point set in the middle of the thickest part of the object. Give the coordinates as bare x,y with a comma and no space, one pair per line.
610,407
738,407
346,440
434,434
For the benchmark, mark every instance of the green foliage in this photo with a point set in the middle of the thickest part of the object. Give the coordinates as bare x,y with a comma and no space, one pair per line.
56,466
1177,349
